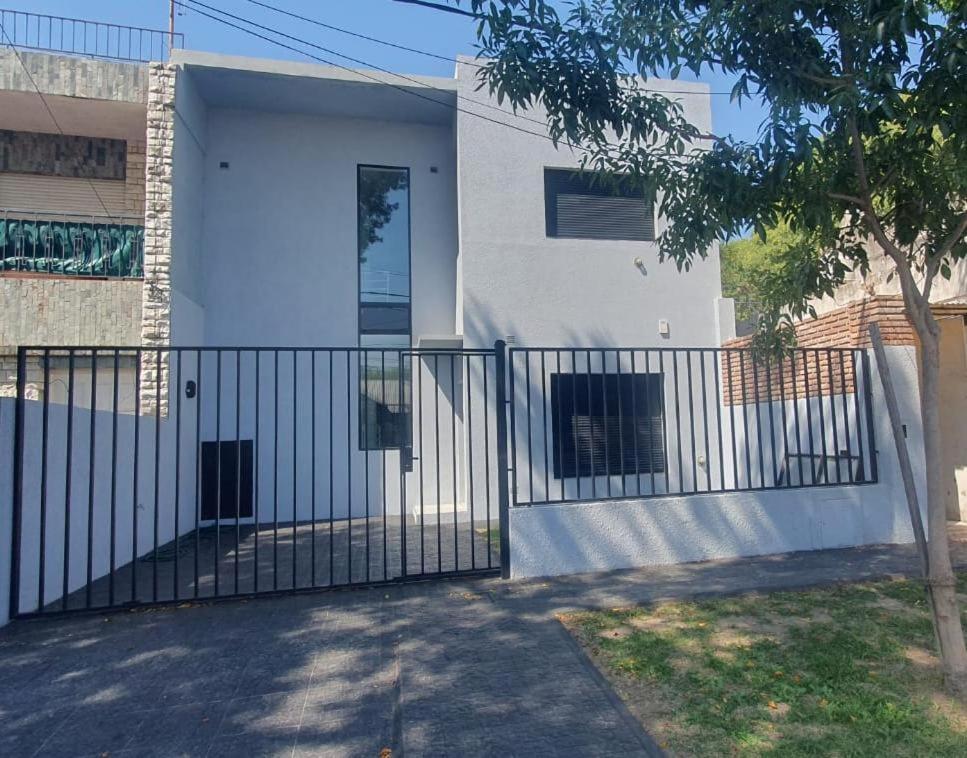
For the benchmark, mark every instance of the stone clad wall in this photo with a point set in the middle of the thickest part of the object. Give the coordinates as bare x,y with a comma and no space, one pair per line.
156,293
50,310
63,155
61,311
74,76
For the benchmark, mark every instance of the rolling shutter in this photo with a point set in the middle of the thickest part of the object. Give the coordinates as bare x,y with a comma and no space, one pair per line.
577,207
58,194
607,424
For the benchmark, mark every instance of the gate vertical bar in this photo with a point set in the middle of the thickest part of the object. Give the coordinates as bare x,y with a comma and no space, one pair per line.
486,417
44,442
868,396
91,461
503,493
407,437
68,458
857,415
18,478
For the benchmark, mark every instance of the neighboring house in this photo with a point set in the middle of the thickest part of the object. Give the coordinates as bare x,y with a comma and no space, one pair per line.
949,304
333,263
72,200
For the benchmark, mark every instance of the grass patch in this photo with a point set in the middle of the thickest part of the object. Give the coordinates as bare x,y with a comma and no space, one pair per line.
493,534
846,671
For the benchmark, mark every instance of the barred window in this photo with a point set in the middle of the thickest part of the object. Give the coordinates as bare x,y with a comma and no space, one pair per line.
607,424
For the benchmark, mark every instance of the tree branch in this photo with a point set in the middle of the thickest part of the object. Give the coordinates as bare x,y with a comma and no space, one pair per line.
935,261
953,238
849,199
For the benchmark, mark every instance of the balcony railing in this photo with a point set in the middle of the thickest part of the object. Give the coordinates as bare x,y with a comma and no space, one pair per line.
37,31
70,244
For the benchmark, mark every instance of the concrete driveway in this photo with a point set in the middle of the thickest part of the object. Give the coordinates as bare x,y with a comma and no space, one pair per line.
431,669
440,668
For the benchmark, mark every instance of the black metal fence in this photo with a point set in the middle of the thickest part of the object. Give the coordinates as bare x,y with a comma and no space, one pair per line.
151,475
96,39
618,423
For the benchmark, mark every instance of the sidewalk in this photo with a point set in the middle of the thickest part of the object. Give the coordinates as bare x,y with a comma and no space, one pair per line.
438,668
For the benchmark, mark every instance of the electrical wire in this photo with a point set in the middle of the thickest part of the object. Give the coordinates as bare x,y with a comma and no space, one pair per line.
439,7
427,53
50,112
330,51
196,4
364,74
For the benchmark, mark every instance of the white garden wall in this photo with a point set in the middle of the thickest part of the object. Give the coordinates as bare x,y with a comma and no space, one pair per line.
548,540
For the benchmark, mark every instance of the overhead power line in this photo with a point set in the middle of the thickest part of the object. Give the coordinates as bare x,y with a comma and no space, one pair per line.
50,112
357,35
439,7
194,5
427,53
404,77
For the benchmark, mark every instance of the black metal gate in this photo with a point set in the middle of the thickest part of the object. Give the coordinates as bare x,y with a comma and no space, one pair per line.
146,475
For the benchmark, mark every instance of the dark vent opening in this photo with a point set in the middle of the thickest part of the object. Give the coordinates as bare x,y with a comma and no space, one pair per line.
220,464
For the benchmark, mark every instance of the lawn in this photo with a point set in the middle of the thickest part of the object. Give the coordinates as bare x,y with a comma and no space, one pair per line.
847,671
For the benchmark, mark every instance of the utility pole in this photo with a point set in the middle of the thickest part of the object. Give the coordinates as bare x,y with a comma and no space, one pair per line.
171,26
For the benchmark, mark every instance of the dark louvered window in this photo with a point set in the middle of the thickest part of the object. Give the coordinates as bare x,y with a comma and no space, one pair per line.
578,206
607,423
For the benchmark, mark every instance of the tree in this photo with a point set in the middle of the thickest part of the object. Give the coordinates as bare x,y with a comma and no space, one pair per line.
751,264
863,145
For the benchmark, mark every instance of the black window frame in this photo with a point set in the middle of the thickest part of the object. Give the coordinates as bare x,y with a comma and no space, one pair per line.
586,184
639,413
399,438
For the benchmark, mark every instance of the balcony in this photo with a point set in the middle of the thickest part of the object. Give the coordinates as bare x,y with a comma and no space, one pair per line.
94,39
70,244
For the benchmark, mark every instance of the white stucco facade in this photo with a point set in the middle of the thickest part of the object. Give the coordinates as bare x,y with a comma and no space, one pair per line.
264,199
265,254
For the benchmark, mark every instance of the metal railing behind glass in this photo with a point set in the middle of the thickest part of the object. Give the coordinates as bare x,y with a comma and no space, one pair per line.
71,244
95,39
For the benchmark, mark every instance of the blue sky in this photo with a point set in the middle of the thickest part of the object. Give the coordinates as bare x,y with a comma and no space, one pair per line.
442,33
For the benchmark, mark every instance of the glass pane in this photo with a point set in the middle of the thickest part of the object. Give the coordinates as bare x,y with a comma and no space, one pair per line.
384,319
384,235
384,392
384,305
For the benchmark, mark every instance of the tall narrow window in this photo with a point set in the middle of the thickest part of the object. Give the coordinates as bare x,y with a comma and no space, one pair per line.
608,423
384,304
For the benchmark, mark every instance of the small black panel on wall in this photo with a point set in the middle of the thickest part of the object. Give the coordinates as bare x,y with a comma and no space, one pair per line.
232,468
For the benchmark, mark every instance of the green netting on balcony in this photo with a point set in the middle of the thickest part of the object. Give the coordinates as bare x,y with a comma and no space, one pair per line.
74,248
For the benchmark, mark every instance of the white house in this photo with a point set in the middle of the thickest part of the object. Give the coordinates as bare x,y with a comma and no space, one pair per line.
330,258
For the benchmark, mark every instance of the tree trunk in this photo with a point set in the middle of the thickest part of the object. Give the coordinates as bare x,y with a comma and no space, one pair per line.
953,653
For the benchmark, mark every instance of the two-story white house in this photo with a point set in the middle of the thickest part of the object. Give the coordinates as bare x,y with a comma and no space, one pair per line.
389,331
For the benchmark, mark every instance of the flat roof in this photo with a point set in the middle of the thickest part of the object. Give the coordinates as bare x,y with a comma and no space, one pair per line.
229,81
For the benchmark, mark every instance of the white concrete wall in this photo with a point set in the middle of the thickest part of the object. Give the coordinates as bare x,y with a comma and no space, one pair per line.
280,234
188,194
266,255
517,281
292,411
46,491
602,536
7,410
